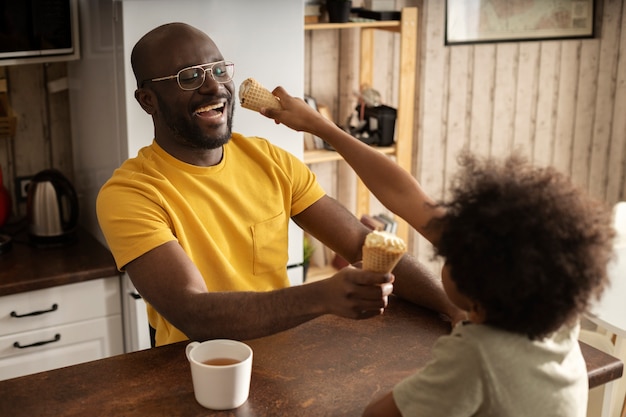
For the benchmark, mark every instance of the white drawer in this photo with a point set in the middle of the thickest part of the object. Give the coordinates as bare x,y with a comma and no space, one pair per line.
59,305
77,343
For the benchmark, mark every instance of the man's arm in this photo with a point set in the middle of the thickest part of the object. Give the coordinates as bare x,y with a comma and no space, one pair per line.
168,280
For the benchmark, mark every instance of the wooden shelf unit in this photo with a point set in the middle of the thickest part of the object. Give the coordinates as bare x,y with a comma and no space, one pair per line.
317,156
402,150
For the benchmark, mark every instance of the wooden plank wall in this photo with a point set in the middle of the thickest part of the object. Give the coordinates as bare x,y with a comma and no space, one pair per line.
562,103
43,135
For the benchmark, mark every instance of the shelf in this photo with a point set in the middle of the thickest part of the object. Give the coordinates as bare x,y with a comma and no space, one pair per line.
407,30
379,24
322,155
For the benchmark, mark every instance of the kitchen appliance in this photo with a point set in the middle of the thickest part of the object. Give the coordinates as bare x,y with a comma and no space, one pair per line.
52,209
36,31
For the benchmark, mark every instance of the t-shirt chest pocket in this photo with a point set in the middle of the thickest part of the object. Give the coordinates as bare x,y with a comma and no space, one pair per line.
269,239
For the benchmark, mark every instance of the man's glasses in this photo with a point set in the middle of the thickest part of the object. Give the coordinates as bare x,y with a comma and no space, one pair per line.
191,78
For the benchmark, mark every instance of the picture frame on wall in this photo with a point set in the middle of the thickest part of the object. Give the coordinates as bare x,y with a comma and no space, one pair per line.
482,21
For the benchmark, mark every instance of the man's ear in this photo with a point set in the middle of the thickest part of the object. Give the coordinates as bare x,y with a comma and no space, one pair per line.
146,100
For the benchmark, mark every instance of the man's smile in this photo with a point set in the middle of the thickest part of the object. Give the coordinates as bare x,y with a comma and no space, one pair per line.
213,110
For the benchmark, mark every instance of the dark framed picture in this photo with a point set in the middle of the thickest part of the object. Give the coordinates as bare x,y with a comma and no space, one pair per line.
481,21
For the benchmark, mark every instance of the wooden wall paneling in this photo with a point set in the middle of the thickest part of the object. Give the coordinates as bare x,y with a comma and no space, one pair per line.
6,146
504,98
347,92
566,106
481,118
326,173
616,186
431,146
28,98
5,161
7,167
458,107
347,72
585,109
406,100
393,77
546,103
607,70
526,97
324,79
346,190
366,80
59,121
309,36
562,120
322,84
386,62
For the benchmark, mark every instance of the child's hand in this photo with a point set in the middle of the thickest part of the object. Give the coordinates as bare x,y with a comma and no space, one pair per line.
295,113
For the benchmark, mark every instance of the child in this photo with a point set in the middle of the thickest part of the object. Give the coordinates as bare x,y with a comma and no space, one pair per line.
524,253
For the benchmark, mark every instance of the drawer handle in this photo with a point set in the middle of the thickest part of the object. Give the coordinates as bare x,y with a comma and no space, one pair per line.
55,307
57,337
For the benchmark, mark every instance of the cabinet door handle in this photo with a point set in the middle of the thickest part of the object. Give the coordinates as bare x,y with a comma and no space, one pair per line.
57,337
54,307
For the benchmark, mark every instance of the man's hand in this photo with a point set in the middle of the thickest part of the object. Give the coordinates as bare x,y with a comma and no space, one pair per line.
357,294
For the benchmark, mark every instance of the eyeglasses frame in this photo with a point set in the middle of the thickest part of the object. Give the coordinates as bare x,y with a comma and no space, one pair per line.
209,67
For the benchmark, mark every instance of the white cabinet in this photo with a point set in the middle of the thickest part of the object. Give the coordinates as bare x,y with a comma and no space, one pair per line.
60,326
136,326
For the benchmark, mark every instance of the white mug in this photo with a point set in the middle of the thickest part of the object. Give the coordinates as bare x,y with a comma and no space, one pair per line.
220,371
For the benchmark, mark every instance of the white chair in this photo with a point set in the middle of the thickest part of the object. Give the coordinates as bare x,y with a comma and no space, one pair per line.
609,314
619,221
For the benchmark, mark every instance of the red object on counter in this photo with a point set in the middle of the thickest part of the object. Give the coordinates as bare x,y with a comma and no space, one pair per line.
5,202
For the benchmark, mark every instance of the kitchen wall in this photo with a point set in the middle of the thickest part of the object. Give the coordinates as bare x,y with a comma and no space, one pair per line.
561,102
39,98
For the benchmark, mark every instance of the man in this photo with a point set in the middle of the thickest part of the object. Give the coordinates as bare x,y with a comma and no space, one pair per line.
199,218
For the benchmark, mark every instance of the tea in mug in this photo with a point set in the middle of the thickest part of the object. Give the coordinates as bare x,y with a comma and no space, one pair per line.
221,361
223,382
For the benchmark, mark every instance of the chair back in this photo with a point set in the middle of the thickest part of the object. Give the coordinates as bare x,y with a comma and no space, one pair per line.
619,222
609,313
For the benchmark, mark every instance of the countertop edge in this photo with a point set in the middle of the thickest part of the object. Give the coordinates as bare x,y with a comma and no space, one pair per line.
56,281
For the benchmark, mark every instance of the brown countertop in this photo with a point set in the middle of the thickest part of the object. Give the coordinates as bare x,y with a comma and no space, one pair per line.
27,268
329,366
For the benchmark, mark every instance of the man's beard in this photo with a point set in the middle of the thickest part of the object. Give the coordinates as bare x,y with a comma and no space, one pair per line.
190,133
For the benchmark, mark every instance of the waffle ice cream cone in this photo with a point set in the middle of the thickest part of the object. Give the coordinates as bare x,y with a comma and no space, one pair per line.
253,96
382,251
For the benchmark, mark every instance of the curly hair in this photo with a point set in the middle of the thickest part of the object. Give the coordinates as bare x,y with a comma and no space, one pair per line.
525,243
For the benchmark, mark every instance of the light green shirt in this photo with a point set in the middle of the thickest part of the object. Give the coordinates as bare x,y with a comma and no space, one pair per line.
481,371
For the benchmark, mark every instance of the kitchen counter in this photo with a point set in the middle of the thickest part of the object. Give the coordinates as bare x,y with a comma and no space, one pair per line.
329,366
27,268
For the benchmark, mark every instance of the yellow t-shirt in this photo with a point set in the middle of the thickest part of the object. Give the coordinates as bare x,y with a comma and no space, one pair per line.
231,219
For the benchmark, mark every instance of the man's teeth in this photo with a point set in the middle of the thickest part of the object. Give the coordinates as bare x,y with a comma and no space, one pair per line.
209,108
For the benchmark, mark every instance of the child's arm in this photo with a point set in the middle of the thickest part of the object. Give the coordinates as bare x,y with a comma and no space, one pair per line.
392,185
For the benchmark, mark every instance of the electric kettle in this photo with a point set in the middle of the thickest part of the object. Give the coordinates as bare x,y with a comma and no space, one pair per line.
52,208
